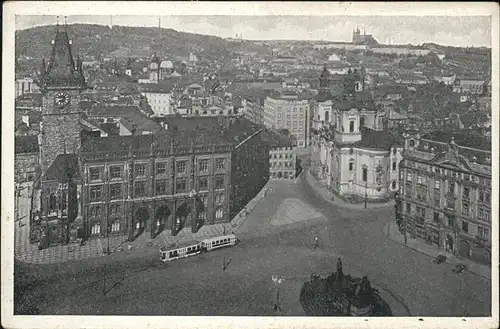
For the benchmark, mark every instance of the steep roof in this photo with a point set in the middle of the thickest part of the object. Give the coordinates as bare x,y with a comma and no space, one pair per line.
64,168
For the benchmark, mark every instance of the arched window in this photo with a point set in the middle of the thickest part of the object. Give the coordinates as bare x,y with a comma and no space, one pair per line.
351,126
96,228
52,202
219,213
351,165
327,116
393,184
115,227
64,201
365,174
362,121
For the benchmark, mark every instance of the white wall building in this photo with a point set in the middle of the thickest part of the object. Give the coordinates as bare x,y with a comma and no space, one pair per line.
287,110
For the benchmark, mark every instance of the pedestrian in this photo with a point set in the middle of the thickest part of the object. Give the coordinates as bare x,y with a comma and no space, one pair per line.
316,244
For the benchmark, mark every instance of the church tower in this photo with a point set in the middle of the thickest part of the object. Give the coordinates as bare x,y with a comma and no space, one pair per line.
61,83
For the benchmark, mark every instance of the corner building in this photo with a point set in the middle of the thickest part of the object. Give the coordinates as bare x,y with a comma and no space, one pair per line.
445,195
194,172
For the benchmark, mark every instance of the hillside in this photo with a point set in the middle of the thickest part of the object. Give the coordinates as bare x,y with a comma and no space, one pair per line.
100,40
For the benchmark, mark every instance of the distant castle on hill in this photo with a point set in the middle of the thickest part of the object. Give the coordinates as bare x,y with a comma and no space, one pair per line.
362,39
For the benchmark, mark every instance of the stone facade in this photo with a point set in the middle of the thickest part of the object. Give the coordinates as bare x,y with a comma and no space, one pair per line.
153,192
445,192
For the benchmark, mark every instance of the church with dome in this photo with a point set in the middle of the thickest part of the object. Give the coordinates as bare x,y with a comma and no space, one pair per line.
158,70
353,155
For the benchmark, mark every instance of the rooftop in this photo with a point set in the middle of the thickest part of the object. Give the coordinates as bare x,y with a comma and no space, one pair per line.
461,138
132,114
64,168
26,144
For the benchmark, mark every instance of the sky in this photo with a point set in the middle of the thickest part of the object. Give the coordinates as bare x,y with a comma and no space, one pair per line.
444,30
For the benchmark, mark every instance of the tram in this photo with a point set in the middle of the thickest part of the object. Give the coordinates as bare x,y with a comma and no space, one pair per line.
219,242
195,249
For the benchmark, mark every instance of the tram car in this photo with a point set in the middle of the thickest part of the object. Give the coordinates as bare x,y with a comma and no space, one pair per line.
183,252
195,249
219,242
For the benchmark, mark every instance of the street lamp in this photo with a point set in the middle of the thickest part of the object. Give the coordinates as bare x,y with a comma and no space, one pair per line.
366,192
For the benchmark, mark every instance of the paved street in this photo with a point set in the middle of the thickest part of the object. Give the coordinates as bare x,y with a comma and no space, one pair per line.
275,241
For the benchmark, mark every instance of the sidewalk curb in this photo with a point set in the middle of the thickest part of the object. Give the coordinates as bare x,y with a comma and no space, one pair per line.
384,232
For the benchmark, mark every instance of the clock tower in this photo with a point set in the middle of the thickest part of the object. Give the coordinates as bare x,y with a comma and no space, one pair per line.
61,82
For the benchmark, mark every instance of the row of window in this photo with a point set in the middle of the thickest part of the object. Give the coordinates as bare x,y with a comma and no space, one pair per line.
161,186
289,116
365,171
282,156
294,109
483,196
451,173
482,213
161,168
282,164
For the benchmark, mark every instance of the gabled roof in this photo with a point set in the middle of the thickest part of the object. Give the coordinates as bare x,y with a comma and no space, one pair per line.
64,168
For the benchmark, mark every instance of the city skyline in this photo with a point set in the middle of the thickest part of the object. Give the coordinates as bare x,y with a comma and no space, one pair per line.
458,31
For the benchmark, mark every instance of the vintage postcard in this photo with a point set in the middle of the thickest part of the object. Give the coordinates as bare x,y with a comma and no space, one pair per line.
250,165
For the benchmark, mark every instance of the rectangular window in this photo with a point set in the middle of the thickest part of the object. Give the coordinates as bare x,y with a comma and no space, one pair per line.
95,173
220,163
203,184
204,165
436,217
351,165
161,187
420,180
466,192
437,200
408,208
114,209
219,182
180,185
483,232
181,166
365,175
408,176
421,194
394,166
450,203
451,187
465,227
408,191
465,208
161,168
140,170
95,193
115,172
115,191
437,184
140,189
95,211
